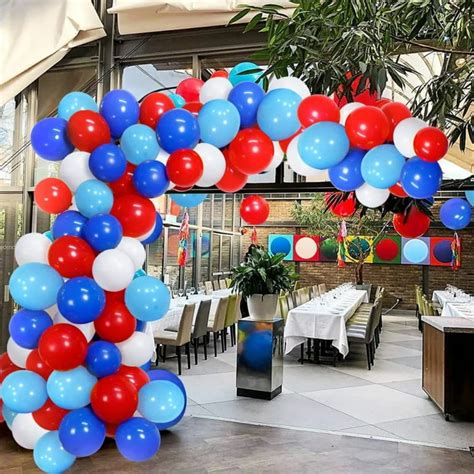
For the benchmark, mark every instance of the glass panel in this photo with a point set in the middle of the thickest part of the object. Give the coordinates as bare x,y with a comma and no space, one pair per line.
237,224
235,250
43,220
229,201
192,212
225,257
206,212
205,255
189,268
218,208
215,255
155,258
172,268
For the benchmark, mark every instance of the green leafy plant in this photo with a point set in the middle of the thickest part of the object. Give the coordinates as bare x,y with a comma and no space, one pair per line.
263,273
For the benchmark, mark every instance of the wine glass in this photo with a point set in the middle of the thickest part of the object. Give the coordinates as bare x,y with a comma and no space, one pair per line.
181,292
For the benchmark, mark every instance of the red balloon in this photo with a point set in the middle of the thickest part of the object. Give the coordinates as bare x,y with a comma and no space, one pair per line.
364,97
318,108
382,102
189,89
254,210
63,347
110,429
397,190
49,416
220,73
430,144
251,151
71,256
184,167
136,214
395,112
115,323
233,180
115,296
52,196
135,375
35,363
344,208
124,185
367,127
6,366
193,107
284,144
180,189
413,225
153,106
87,130
114,399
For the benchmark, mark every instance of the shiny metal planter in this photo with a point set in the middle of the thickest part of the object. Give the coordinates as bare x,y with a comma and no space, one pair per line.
260,358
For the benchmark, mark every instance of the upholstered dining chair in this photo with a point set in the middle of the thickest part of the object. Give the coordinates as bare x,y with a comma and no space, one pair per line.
222,285
200,328
215,285
209,288
283,306
322,288
216,325
314,291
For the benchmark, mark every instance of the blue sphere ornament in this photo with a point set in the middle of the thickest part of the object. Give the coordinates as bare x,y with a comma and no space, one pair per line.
120,109
107,162
103,358
68,223
382,166
277,114
50,456
421,179
280,245
93,197
347,176
443,252
139,144
26,327
323,145
242,72
74,102
257,351
188,200
150,179
177,129
103,232
147,298
156,231
137,439
24,391
246,96
455,214
416,251
49,139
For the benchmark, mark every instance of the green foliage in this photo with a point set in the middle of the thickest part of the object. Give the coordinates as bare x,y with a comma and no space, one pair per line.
262,273
324,39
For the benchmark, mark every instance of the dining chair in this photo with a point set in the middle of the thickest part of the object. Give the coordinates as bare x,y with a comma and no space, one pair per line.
222,285
367,287
297,297
228,282
305,296
322,288
180,338
200,328
209,288
314,291
290,301
216,325
215,285
283,307
231,318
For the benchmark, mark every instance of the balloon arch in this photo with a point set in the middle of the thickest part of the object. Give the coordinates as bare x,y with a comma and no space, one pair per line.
78,358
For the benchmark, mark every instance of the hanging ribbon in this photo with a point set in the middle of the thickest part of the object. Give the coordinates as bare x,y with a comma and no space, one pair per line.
456,251
183,237
341,251
254,236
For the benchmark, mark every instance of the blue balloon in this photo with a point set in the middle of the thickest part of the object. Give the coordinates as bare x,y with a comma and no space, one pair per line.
24,391
74,102
8,415
257,350
49,139
178,101
156,231
27,326
49,234
81,432
103,358
120,109
347,176
107,162
35,286
188,200
68,223
103,232
139,144
323,145
93,197
161,401
146,367
455,214
141,326
81,300
277,114
71,389
150,179
50,455
421,179
246,97
177,129
470,197
219,122
415,251
137,439
382,166
147,298
238,73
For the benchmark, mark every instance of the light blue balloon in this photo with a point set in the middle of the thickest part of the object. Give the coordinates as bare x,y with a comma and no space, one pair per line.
277,114
382,166
8,415
139,144
71,389
237,73
24,391
219,122
50,455
188,200
49,234
93,197
415,251
178,101
160,401
323,145
147,298
470,197
35,286
74,102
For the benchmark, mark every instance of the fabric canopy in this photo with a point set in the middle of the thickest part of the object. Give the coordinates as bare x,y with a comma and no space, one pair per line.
140,16
35,35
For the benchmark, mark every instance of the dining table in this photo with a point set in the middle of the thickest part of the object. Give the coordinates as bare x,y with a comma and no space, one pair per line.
325,318
459,305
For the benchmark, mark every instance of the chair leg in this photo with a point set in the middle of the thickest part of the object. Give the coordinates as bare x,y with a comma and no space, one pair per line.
367,349
178,353
223,340
308,350
188,354
215,344
196,345
373,352
164,353
205,348
302,352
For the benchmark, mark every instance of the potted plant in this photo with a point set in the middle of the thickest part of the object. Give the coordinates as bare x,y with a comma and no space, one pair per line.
260,278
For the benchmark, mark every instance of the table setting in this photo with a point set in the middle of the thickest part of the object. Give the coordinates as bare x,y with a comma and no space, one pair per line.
454,302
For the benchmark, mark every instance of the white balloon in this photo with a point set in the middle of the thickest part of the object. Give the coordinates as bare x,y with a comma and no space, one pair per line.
213,161
296,163
32,248
88,329
292,83
215,88
134,249
277,158
17,354
404,135
347,109
137,349
370,196
113,270
26,431
74,169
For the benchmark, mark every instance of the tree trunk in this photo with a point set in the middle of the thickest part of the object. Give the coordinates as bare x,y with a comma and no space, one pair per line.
359,273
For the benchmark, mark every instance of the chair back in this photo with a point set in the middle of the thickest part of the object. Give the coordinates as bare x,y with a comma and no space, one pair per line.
367,287
314,291
378,312
322,288
283,306
373,321
305,297
297,297
215,285
219,317
228,282
289,301
185,325
222,285
202,319
208,286
231,313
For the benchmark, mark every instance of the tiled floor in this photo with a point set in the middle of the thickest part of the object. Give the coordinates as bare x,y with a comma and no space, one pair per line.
386,402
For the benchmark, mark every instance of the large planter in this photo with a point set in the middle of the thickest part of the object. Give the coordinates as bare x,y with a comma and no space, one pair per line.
262,307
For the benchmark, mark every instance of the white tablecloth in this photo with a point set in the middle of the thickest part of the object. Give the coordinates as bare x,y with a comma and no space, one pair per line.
442,297
459,309
328,321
